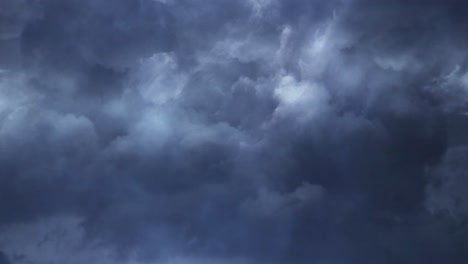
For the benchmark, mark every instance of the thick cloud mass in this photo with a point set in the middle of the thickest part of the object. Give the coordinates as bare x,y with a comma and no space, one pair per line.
243,132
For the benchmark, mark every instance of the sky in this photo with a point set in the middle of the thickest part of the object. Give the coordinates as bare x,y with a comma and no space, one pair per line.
233,132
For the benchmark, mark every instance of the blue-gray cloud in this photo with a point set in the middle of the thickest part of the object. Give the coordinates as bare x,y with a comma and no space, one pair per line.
253,131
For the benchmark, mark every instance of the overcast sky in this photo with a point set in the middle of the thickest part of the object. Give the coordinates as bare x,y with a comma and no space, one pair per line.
233,132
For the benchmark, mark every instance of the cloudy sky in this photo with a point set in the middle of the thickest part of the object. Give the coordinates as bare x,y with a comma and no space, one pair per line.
233,132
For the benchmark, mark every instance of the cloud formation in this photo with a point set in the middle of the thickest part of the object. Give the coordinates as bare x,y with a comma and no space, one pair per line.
244,132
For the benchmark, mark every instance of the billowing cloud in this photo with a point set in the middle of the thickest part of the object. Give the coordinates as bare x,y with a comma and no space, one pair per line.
244,132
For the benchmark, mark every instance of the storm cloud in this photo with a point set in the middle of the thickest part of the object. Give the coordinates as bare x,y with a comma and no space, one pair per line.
243,132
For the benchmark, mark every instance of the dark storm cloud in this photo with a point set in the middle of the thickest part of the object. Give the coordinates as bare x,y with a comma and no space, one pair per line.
4,258
255,131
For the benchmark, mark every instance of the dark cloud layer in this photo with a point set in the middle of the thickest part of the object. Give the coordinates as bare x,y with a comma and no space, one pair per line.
253,131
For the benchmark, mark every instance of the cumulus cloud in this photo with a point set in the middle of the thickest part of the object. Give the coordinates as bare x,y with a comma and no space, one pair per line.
244,132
